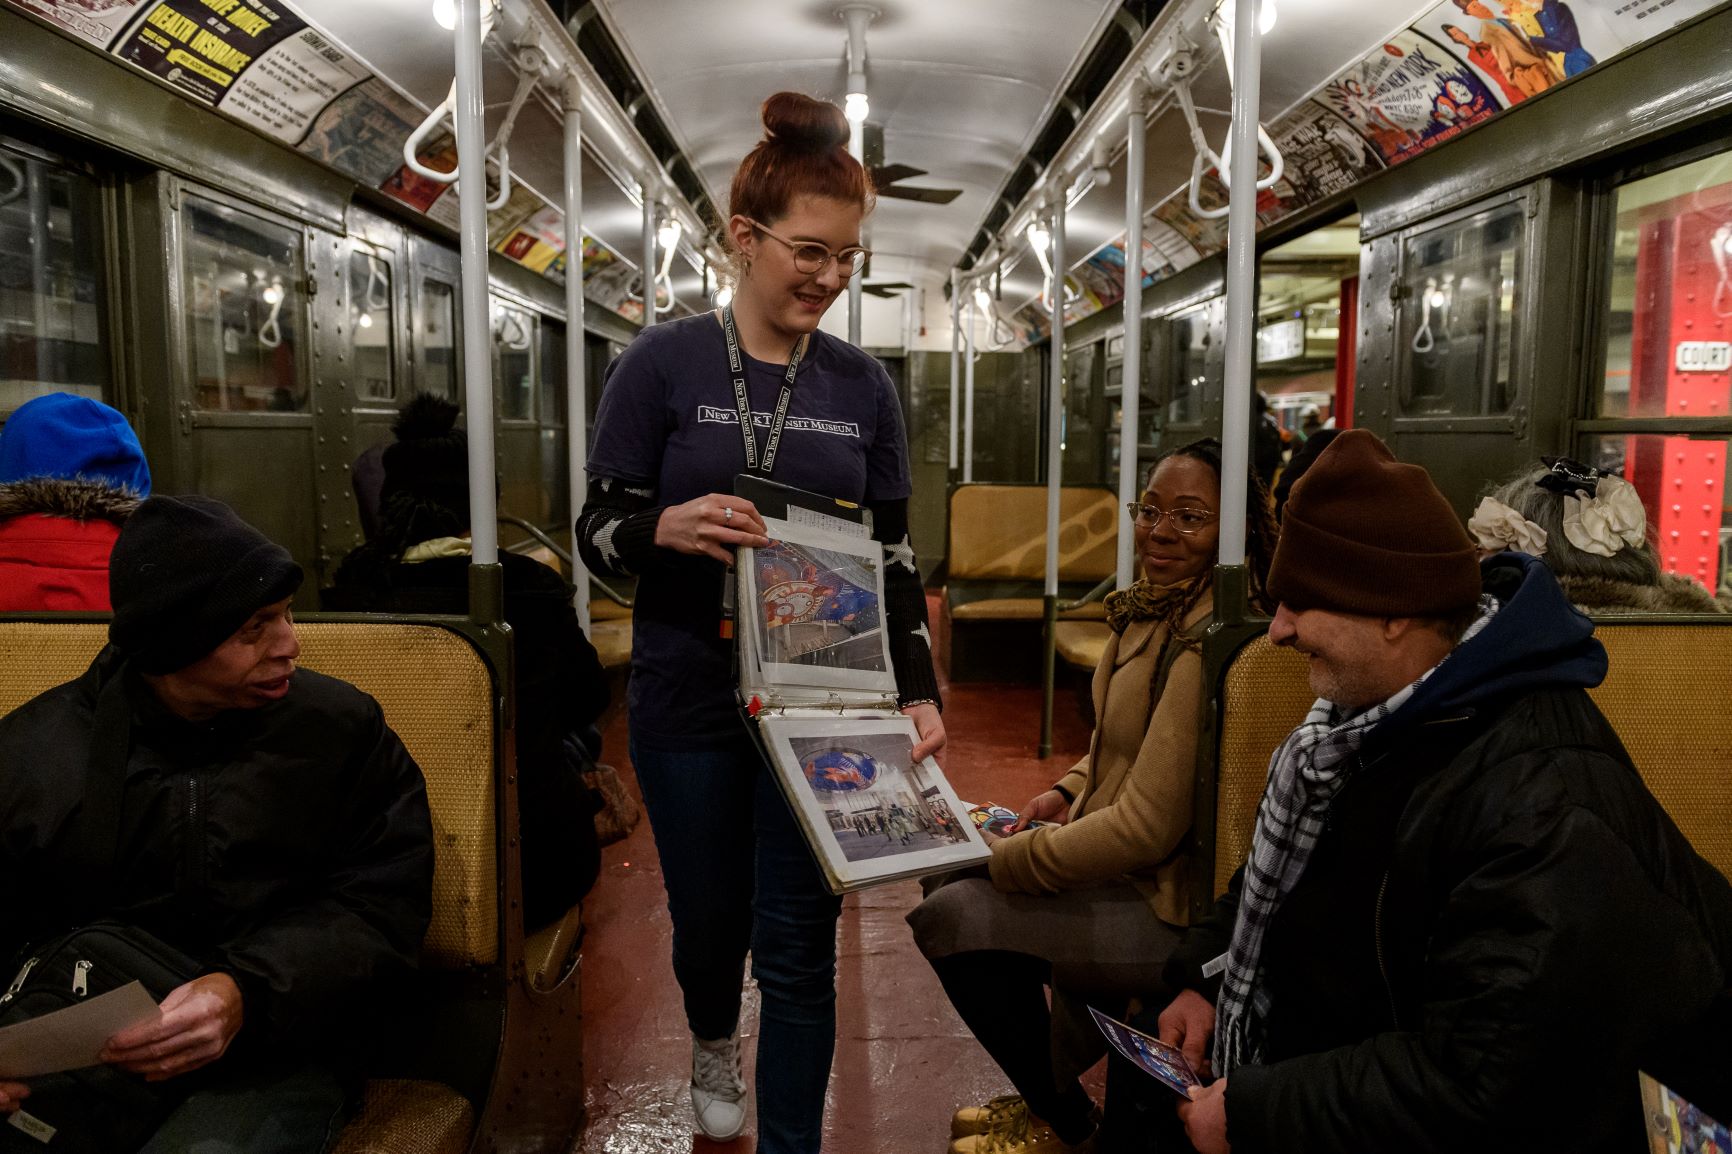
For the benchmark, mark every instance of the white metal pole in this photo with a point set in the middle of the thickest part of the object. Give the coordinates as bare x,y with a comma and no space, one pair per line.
1241,282
576,386
955,355
856,149
968,396
649,256
469,118
1055,396
1131,379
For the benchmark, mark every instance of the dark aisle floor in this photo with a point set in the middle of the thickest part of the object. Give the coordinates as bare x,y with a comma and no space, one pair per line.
903,1060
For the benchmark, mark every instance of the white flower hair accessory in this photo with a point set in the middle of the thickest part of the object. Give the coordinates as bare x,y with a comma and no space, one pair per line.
1496,526
1607,520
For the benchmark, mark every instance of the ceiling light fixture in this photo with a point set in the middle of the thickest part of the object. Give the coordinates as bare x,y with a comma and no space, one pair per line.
856,107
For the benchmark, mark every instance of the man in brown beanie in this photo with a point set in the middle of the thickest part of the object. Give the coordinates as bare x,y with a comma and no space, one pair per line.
1465,923
257,825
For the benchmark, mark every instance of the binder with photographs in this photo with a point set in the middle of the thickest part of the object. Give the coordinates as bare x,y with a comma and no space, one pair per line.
816,677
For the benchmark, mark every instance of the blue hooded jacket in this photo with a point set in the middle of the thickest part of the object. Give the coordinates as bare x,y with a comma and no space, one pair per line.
69,437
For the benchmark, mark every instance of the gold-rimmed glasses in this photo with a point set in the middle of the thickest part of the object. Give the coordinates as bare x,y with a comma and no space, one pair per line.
812,258
1186,521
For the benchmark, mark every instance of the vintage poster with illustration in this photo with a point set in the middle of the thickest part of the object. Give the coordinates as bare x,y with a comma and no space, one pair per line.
1409,95
96,22
438,153
361,133
1520,48
871,813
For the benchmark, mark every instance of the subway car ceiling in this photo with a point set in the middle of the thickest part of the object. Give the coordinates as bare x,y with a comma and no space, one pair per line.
964,91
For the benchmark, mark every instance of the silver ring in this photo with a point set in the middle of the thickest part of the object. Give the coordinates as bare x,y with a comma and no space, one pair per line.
727,513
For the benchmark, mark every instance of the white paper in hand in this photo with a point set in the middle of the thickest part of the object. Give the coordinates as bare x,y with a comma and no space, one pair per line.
71,1039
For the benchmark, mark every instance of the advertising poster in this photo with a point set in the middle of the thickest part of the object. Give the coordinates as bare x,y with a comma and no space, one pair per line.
290,85
518,208
1520,48
203,46
1165,250
361,133
1206,237
95,21
1323,156
439,153
1634,21
1408,96
537,241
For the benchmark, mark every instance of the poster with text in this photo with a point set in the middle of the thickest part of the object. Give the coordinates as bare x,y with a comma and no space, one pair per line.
290,85
95,21
203,46
1206,237
439,154
1634,21
1520,48
1409,95
1323,156
537,241
361,133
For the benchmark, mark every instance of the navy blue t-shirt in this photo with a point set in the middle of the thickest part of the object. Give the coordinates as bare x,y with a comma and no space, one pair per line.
668,423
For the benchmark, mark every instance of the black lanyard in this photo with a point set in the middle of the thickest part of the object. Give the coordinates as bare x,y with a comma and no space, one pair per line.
743,403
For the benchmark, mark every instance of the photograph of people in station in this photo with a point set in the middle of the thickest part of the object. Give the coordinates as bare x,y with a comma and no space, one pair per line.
820,608
878,803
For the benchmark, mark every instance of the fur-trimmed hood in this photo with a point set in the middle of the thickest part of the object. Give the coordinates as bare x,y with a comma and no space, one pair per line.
77,500
1674,594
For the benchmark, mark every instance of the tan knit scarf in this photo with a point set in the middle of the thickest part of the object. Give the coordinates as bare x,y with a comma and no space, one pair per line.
1146,601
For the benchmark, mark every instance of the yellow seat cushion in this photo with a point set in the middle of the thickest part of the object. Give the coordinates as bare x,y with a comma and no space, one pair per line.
1022,609
1265,698
998,533
398,1117
1666,692
607,609
1082,643
612,641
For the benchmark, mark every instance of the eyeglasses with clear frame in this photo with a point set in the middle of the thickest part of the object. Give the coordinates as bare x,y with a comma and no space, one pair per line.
1186,521
812,258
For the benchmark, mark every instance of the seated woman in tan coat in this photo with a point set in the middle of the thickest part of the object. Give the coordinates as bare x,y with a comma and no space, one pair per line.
1094,900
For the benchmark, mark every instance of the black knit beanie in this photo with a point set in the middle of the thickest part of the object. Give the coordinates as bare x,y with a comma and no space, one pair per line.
185,573
429,463
1364,533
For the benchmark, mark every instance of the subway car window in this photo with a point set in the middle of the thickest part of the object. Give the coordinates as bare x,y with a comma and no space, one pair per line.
1683,483
371,323
553,374
438,338
1187,366
514,362
1457,315
242,277
53,323
1669,321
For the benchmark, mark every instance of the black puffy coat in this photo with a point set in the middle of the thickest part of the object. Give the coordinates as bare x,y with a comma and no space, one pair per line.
1498,927
289,845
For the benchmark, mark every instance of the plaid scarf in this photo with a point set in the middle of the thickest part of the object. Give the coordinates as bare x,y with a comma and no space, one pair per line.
1305,775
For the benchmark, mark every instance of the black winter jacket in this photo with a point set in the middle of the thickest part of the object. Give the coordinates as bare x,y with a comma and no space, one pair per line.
1497,928
289,846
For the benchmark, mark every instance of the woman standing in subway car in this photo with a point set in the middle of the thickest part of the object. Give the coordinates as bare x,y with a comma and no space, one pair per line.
670,437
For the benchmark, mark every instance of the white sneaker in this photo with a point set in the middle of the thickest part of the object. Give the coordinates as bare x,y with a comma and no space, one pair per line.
718,1090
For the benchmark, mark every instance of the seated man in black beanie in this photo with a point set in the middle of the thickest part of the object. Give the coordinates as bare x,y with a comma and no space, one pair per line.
1465,924
264,822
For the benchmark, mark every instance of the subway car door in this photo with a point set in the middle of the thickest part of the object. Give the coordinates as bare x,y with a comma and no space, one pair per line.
1450,362
240,282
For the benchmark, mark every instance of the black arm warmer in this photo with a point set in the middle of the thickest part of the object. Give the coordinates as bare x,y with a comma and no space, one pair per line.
904,605
616,531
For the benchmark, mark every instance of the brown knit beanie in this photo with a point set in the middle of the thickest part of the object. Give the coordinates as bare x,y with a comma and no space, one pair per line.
1364,533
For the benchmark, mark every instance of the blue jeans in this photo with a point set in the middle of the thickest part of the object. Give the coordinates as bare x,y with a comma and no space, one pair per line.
739,876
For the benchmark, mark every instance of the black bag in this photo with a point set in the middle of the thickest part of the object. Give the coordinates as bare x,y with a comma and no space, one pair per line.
100,1109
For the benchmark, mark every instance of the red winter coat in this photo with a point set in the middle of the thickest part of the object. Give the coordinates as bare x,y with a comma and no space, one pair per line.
55,537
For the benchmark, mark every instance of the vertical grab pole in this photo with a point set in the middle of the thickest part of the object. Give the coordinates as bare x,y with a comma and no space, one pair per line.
1054,465
968,397
486,591
856,149
1131,383
1241,305
955,353
649,254
576,386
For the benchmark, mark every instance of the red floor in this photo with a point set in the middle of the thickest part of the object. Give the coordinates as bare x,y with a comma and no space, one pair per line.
904,1062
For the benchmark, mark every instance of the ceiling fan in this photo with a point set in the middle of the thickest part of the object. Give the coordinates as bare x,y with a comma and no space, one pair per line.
887,178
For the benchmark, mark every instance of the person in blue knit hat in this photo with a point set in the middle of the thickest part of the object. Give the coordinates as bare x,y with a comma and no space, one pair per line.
71,472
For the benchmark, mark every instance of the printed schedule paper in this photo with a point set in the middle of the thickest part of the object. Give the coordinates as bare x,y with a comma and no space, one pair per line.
72,1039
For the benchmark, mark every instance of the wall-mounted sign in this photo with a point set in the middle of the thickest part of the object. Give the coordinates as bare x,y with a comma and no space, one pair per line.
1703,356
1281,341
